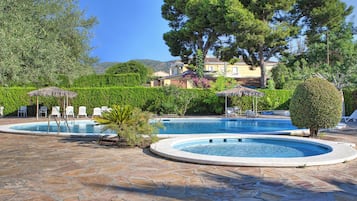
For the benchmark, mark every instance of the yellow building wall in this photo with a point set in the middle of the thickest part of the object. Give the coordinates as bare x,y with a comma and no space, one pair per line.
243,70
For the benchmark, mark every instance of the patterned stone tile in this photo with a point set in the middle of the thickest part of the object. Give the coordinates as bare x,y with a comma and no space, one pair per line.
59,168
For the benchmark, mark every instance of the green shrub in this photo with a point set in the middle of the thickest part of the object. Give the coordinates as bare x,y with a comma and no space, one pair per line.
315,104
173,101
291,84
131,125
126,80
272,100
130,67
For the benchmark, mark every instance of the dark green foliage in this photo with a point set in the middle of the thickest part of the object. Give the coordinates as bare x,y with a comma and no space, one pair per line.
292,84
107,80
206,102
350,98
173,101
130,67
272,100
316,104
201,102
43,41
279,75
194,25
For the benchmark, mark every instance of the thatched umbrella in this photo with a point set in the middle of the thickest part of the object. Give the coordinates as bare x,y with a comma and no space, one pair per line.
240,91
52,91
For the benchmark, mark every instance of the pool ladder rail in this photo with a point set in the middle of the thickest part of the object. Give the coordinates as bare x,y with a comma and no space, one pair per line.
58,123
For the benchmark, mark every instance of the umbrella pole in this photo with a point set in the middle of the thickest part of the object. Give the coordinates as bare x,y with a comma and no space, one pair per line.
256,112
225,106
36,107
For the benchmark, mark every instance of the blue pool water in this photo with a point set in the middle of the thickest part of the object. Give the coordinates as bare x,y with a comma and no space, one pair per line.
173,126
197,126
253,147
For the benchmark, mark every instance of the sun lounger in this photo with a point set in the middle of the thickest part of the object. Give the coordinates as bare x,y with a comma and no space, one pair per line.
56,111
70,111
42,111
97,112
352,117
82,111
22,111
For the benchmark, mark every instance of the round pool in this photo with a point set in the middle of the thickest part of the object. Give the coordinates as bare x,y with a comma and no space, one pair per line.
253,147
254,150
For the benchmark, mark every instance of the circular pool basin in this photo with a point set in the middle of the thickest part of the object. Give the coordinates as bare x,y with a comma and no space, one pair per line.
254,150
253,147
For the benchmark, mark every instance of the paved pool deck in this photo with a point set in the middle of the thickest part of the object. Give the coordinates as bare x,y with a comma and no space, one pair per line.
50,168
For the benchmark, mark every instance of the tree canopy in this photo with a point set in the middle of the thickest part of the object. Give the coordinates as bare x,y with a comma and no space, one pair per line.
259,37
232,28
258,31
130,67
195,24
43,42
329,48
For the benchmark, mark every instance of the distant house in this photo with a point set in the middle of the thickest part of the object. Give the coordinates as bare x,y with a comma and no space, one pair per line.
213,68
160,74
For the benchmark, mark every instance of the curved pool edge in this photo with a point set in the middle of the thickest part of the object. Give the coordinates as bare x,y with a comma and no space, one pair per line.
341,152
7,129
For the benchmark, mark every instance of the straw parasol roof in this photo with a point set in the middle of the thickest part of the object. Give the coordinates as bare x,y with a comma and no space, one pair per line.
240,91
52,91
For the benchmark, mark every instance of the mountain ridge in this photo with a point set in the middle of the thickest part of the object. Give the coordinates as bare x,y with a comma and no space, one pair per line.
153,64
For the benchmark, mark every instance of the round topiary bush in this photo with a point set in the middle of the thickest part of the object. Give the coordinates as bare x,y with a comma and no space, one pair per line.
316,104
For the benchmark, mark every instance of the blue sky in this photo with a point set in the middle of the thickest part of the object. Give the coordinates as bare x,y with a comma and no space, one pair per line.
133,29
128,29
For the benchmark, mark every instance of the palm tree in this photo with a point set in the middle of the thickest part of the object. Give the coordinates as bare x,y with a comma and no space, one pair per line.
131,125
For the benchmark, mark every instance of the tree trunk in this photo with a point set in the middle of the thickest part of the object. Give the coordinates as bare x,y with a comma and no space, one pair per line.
314,132
263,80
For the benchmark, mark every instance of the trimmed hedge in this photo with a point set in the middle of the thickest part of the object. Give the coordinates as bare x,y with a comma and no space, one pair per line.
106,80
204,101
272,100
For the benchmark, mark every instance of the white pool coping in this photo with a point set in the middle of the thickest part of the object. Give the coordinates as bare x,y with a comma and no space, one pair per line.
341,152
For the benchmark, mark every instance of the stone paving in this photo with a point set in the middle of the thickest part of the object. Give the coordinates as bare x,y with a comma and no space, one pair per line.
50,168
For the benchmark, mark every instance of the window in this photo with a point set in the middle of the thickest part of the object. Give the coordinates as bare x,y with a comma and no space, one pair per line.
222,69
234,70
210,68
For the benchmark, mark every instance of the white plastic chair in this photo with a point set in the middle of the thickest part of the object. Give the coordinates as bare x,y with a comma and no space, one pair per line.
82,111
230,112
97,112
1,111
104,108
56,111
22,111
69,111
42,111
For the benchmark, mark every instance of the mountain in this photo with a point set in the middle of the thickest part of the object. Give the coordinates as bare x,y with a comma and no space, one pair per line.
154,64
100,68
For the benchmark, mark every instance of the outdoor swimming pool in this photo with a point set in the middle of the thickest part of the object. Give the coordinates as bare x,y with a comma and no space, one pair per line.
226,125
254,150
219,131
253,147
171,126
